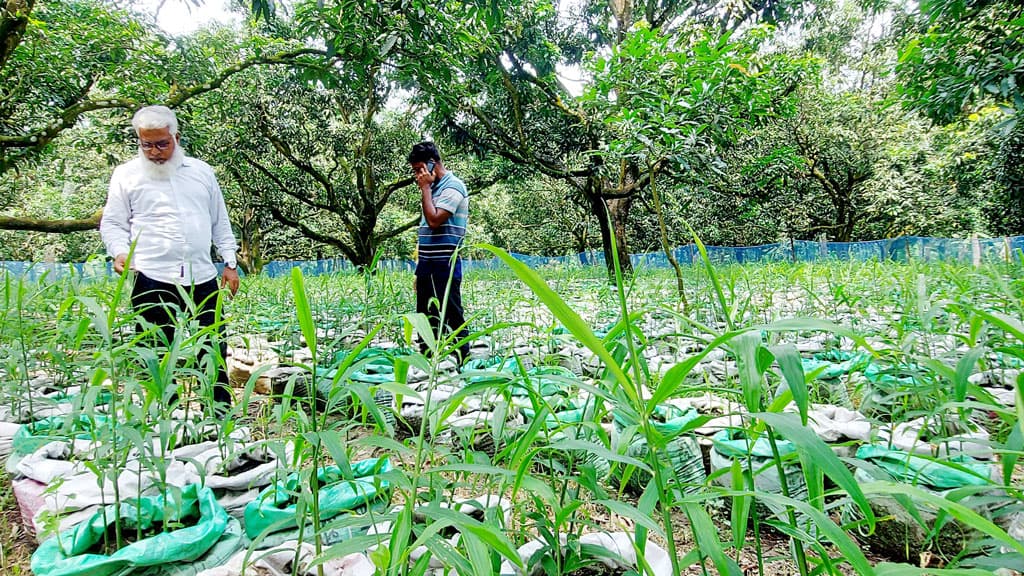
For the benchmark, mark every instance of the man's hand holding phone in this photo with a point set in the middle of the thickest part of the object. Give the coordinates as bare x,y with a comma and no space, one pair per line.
425,175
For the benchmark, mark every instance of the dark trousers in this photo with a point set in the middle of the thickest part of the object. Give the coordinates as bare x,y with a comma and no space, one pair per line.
158,303
430,300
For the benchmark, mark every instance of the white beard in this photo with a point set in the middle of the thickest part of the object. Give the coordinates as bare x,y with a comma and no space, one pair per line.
164,171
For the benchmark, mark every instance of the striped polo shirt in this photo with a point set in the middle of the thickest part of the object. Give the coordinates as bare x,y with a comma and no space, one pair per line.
437,246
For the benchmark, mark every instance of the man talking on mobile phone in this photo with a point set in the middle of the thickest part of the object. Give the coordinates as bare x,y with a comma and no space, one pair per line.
442,227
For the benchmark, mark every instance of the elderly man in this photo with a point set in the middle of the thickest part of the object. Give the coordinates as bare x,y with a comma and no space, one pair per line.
171,207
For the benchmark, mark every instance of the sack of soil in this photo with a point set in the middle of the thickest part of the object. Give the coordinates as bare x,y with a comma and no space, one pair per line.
683,452
179,527
730,446
235,468
906,528
276,508
236,473
836,423
7,432
480,430
944,437
33,436
281,562
73,485
602,552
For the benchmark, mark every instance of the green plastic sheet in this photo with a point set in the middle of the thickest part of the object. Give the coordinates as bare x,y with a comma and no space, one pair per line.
229,544
555,419
668,419
838,363
275,509
495,369
33,436
734,444
546,381
948,473
75,552
376,366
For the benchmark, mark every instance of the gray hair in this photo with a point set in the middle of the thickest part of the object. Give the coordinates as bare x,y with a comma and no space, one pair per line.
154,118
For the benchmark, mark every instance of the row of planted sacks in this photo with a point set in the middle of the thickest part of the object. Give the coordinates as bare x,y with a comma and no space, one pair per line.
72,474
63,469
961,462
613,552
480,407
42,403
959,465
184,530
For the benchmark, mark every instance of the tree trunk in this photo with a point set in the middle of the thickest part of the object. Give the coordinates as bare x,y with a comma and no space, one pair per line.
364,243
618,208
250,255
14,16
845,218
666,245
611,216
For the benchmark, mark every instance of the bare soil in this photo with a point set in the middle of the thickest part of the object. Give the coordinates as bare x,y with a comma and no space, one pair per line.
16,544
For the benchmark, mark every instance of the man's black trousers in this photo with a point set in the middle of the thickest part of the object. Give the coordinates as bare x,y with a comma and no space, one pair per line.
159,302
432,286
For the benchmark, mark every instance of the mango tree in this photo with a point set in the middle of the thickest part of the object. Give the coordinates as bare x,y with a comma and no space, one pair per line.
64,63
495,78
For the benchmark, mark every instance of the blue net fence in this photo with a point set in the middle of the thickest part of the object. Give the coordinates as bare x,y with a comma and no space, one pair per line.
902,249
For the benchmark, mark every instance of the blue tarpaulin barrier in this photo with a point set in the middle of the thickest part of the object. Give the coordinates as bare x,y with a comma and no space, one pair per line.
902,249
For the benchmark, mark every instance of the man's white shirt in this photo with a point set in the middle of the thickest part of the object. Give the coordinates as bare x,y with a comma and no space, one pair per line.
173,222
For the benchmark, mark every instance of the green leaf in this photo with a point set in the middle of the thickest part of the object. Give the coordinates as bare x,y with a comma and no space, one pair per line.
565,314
746,347
793,371
492,536
964,368
890,569
628,511
1014,446
741,505
713,276
303,311
813,449
705,535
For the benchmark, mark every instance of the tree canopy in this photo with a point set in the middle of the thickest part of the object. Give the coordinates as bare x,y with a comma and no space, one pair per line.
573,122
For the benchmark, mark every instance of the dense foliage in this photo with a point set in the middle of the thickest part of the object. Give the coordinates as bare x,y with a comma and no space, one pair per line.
854,120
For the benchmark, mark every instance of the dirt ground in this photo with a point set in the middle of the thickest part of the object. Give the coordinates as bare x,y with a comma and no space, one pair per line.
16,545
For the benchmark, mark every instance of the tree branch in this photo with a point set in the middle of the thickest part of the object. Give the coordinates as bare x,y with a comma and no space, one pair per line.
312,234
285,150
288,190
176,98
51,226
40,137
396,231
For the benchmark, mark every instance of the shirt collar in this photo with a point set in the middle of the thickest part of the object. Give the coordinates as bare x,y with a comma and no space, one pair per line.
437,183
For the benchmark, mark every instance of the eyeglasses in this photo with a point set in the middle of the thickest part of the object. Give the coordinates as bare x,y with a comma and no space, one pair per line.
162,145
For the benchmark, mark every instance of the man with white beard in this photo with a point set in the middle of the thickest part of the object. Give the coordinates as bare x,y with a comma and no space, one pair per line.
171,207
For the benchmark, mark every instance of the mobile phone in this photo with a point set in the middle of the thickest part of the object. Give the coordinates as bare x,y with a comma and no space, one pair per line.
430,167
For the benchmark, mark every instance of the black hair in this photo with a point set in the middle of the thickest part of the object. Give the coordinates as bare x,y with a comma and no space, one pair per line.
424,152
